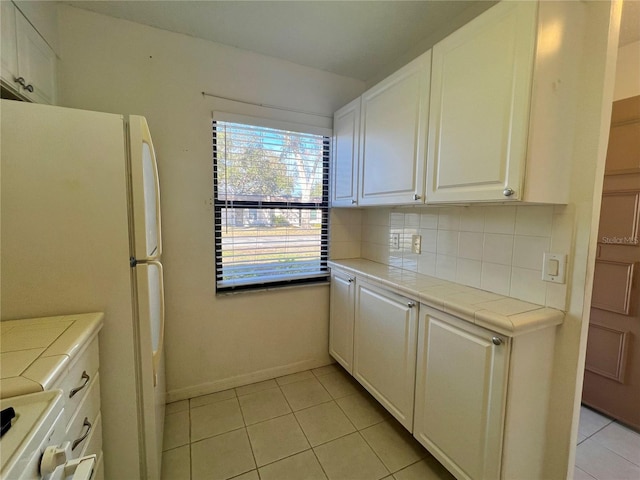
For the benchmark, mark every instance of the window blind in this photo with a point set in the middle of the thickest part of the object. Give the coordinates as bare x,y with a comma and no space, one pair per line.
270,204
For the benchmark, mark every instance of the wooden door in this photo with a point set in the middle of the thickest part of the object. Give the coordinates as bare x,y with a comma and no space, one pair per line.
612,371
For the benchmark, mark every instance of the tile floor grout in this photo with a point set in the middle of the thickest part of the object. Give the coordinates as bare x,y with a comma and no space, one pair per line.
311,447
300,426
244,421
617,459
609,449
597,431
303,432
293,412
348,423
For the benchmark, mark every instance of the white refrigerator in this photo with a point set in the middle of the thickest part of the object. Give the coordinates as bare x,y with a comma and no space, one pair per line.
80,232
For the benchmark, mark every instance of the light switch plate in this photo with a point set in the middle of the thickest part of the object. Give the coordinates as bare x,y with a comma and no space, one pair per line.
553,267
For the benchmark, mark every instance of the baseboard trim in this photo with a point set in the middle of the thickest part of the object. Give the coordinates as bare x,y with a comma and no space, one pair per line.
245,379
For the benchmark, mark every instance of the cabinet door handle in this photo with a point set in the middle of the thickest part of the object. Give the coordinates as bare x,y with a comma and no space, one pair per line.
416,196
496,340
507,192
20,81
79,440
29,88
350,279
85,376
353,202
411,304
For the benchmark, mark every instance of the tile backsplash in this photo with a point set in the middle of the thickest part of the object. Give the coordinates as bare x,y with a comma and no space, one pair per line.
495,248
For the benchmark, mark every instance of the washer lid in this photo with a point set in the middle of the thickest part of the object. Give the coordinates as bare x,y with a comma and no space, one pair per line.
35,414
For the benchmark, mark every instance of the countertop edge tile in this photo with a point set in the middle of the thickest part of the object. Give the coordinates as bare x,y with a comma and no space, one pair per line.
432,301
52,362
82,329
495,321
461,310
437,292
46,370
14,386
530,321
14,363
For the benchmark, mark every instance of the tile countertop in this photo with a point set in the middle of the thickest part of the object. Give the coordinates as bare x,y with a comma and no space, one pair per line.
505,315
34,352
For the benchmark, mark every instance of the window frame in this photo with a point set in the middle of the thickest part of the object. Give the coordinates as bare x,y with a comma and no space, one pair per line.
323,206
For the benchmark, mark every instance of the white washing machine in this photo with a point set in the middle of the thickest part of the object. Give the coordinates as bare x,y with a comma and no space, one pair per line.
30,449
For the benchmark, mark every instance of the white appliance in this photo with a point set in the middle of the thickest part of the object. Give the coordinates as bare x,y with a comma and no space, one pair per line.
80,232
29,450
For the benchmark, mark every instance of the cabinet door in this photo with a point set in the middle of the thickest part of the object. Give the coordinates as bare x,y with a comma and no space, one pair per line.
341,307
460,394
36,63
9,54
479,114
393,135
344,174
384,356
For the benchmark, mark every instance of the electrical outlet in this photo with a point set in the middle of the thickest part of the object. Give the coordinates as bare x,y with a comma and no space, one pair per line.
416,243
395,241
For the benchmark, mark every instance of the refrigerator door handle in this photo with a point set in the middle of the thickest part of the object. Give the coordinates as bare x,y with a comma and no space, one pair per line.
157,191
157,355
145,191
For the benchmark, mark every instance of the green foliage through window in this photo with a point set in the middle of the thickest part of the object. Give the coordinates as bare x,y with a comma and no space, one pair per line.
270,203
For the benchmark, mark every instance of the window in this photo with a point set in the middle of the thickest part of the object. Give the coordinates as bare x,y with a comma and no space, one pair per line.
270,204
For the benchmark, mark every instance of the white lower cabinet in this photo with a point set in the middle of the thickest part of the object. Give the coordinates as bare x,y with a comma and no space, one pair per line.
81,392
477,400
384,348
341,316
461,381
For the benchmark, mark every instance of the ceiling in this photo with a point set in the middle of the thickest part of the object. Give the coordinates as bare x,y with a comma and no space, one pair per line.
352,38
356,39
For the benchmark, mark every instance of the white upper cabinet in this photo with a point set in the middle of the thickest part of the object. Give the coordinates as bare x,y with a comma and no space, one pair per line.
28,63
501,105
479,105
9,54
344,172
393,126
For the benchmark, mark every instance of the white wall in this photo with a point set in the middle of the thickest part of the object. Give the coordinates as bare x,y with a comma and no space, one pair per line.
628,71
112,65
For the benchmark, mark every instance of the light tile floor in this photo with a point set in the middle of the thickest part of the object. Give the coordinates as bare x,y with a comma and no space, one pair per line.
606,449
319,424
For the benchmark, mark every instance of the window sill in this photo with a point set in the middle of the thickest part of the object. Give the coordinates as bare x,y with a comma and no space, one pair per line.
263,288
